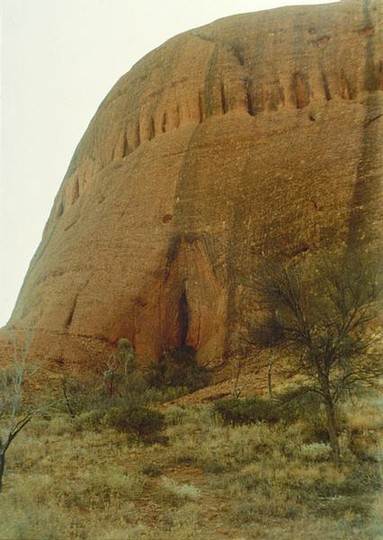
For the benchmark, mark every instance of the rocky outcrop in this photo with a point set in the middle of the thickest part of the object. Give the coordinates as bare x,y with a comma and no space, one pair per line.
256,135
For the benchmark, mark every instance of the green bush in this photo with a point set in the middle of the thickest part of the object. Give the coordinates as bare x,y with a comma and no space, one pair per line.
178,368
238,412
138,422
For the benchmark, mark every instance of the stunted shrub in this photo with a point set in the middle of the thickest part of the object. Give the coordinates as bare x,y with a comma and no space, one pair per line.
138,422
238,412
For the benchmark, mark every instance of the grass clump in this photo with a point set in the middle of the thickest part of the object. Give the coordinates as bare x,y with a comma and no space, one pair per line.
177,493
99,490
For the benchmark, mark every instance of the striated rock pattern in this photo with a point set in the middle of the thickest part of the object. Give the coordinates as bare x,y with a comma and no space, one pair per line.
259,134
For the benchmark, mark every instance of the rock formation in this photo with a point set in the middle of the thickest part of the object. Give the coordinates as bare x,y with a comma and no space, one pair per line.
256,135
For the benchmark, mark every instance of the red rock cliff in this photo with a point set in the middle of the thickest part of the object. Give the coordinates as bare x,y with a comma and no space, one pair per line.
255,135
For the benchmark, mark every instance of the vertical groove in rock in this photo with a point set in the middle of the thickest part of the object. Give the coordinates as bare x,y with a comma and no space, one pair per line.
125,148
301,90
326,87
224,104
70,316
249,97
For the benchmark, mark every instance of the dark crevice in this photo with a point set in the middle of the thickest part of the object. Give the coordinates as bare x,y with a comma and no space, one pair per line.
371,78
238,53
365,204
183,318
76,191
71,313
249,100
152,129
321,42
326,87
60,209
164,123
178,119
200,108
346,90
138,135
367,31
173,248
300,90
166,218
70,225
301,248
125,146
224,105
370,120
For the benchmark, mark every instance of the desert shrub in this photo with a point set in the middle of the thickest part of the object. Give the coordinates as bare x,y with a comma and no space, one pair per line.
315,451
92,420
152,470
137,422
362,478
163,395
178,368
176,415
60,424
238,412
365,445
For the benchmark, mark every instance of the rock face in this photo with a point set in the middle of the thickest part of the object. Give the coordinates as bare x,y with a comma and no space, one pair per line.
257,135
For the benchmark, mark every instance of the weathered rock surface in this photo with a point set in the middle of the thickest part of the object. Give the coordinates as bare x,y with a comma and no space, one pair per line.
259,134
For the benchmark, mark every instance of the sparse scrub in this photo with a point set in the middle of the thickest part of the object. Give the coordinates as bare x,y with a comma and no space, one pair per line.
209,477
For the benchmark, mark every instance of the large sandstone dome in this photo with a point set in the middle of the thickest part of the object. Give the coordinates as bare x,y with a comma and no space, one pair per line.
254,136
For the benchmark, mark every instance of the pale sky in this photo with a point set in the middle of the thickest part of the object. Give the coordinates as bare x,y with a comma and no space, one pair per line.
59,59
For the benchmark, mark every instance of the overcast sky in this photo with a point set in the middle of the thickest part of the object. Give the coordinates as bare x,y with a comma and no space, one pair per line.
59,59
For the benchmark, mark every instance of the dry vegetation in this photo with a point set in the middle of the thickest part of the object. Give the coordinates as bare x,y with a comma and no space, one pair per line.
71,478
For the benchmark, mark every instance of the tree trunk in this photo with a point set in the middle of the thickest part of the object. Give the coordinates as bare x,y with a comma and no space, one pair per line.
332,426
269,376
2,463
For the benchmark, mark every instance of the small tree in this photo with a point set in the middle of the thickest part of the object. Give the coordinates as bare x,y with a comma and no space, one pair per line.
13,415
323,315
122,367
